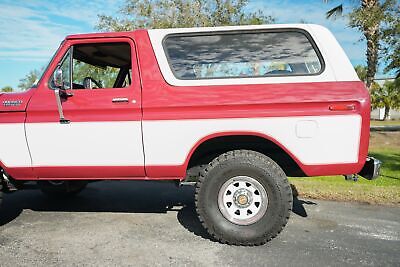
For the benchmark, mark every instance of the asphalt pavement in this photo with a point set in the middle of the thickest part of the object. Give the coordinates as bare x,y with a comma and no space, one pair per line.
154,224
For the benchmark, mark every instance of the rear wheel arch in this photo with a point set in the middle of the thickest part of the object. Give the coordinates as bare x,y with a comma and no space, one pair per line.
211,146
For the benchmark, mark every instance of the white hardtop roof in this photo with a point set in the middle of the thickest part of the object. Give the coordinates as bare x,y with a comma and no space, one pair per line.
337,65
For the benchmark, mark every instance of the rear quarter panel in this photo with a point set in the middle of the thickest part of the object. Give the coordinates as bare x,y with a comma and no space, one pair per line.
294,113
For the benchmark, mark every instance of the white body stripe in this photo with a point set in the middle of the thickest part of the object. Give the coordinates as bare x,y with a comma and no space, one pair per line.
311,139
335,139
13,148
86,144
337,65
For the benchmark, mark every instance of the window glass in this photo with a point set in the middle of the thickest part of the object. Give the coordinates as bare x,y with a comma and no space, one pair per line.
101,65
65,63
97,65
104,76
246,54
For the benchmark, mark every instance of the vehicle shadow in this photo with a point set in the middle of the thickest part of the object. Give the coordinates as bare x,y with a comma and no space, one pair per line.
104,196
121,197
298,204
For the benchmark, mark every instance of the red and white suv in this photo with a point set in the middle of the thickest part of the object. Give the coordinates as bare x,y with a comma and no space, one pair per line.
234,109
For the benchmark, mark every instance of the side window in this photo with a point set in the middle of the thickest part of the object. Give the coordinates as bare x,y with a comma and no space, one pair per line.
98,65
99,77
245,54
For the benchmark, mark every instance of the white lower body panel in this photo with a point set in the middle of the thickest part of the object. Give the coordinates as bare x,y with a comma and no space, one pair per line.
86,144
13,148
313,140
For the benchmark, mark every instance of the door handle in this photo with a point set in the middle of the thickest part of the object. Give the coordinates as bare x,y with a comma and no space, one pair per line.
120,100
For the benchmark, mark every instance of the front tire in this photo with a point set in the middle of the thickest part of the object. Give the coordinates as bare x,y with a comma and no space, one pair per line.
1,191
61,189
243,198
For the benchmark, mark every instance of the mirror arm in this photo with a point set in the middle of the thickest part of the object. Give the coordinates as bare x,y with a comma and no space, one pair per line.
59,107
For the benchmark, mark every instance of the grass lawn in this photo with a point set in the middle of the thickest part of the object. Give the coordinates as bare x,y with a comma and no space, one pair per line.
385,123
384,190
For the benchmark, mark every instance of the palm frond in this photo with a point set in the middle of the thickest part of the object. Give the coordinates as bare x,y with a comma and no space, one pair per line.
338,10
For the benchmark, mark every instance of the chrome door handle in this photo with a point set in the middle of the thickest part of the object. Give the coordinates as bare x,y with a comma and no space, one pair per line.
120,100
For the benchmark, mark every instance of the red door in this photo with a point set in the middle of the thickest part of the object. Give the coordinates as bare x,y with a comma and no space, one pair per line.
103,138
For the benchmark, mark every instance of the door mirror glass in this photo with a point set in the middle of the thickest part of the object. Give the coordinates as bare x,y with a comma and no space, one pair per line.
62,74
58,78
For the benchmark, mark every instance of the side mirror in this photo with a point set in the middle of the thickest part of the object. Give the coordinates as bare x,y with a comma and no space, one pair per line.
58,78
60,93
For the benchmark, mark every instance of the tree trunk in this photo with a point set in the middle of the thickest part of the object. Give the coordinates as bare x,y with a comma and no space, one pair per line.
387,109
371,34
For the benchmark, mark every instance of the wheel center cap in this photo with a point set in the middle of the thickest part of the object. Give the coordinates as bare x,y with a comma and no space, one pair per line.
242,200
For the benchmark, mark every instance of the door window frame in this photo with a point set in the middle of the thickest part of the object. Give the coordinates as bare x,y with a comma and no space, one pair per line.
70,43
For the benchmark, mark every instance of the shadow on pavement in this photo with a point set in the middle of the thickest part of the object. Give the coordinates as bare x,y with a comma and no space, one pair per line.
105,196
187,217
121,197
298,204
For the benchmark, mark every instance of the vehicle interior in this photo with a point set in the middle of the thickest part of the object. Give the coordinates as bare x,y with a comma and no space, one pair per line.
101,65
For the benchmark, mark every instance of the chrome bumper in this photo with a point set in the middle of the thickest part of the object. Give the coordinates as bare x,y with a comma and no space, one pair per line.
371,169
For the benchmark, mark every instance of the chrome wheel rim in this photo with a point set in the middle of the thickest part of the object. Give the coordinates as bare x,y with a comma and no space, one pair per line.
242,200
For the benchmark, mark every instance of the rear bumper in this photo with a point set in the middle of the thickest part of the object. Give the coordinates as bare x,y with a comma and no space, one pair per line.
371,169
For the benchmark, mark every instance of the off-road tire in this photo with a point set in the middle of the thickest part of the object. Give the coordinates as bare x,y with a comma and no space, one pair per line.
265,171
62,190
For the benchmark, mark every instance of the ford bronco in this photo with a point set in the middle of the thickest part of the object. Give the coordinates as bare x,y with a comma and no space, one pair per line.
232,110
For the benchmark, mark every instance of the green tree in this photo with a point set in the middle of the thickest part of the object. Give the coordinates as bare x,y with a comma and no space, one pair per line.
372,18
391,49
181,13
361,72
386,96
29,80
7,89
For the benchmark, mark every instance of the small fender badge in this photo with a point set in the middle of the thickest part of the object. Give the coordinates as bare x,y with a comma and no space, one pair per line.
12,103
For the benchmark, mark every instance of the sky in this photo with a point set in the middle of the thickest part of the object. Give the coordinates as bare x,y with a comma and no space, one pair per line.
31,30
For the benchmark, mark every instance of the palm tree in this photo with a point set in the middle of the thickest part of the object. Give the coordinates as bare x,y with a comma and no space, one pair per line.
386,96
366,16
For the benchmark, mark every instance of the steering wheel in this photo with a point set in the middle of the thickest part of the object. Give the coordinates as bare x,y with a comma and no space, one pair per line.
88,83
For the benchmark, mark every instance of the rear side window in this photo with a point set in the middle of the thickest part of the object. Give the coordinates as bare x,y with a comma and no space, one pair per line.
243,54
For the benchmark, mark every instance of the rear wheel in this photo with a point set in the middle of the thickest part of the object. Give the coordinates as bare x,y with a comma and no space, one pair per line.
243,198
61,188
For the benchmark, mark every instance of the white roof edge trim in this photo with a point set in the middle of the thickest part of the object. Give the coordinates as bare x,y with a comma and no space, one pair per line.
230,28
157,36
